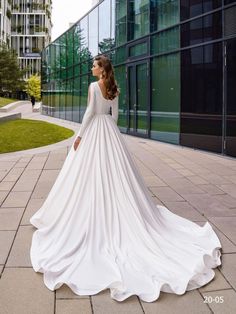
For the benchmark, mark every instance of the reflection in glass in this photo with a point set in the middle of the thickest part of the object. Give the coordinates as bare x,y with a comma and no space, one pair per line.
93,32
138,18
105,41
121,15
164,14
165,41
202,29
165,104
201,101
191,8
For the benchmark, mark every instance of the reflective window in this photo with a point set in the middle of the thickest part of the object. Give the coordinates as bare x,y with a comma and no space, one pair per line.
191,8
121,15
164,14
203,29
105,42
201,97
138,18
165,105
93,32
165,41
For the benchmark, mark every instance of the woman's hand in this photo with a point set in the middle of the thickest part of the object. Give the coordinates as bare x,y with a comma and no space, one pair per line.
76,143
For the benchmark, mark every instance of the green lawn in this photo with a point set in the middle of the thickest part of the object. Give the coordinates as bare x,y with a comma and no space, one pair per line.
24,134
6,101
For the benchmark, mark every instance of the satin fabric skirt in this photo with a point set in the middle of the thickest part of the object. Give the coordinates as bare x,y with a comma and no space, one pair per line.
99,228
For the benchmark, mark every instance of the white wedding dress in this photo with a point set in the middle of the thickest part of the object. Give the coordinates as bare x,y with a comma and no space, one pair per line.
99,227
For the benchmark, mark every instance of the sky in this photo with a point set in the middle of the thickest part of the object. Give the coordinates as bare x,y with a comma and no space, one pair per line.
65,12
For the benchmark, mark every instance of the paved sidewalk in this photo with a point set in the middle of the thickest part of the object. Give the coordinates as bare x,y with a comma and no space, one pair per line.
194,184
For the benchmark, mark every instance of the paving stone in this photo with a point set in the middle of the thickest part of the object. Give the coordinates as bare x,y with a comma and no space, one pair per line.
197,180
169,303
103,304
14,174
229,189
16,199
227,225
222,301
33,205
10,218
64,292
211,189
20,252
75,306
184,209
3,195
6,239
6,165
208,205
27,181
166,194
218,283
228,268
153,181
37,162
227,245
6,185
23,291
3,173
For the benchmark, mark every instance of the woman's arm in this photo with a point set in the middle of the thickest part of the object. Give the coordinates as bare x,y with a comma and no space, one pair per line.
90,110
115,109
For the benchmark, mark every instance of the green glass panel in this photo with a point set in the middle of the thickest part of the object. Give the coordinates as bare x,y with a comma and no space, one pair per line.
138,18
165,105
137,50
142,98
164,14
121,20
120,55
165,41
121,80
70,47
76,98
83,95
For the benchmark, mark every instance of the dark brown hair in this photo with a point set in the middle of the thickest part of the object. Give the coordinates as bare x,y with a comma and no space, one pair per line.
110,83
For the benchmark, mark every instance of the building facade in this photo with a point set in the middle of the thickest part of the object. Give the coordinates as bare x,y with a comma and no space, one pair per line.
26,27
174,62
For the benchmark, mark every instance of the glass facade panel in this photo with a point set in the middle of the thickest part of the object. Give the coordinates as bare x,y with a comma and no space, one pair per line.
165,41
192,8
93,32
123,112
137,50
105,41
138,18
165,95
203,29
230,98
201,103
164,14
121,20
171,80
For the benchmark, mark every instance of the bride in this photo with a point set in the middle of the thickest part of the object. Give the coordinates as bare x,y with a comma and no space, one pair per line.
99,227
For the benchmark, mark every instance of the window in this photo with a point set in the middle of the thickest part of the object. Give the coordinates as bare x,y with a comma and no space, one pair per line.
138,18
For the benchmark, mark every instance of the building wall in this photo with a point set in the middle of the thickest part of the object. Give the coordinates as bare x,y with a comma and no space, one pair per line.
28,29
173,61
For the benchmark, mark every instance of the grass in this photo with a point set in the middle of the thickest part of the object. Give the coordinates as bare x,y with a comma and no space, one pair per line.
6,101
21,134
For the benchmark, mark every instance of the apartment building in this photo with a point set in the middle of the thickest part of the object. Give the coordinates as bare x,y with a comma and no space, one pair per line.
26,27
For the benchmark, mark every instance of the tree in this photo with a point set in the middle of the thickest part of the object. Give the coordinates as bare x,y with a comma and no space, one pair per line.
33,86
11,76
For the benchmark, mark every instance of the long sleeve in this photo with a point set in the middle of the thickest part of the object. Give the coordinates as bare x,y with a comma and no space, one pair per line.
89,112
115,109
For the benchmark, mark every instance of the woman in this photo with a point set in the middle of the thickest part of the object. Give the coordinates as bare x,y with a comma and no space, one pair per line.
99,226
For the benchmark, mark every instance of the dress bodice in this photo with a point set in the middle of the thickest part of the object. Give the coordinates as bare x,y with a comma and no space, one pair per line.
98,105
